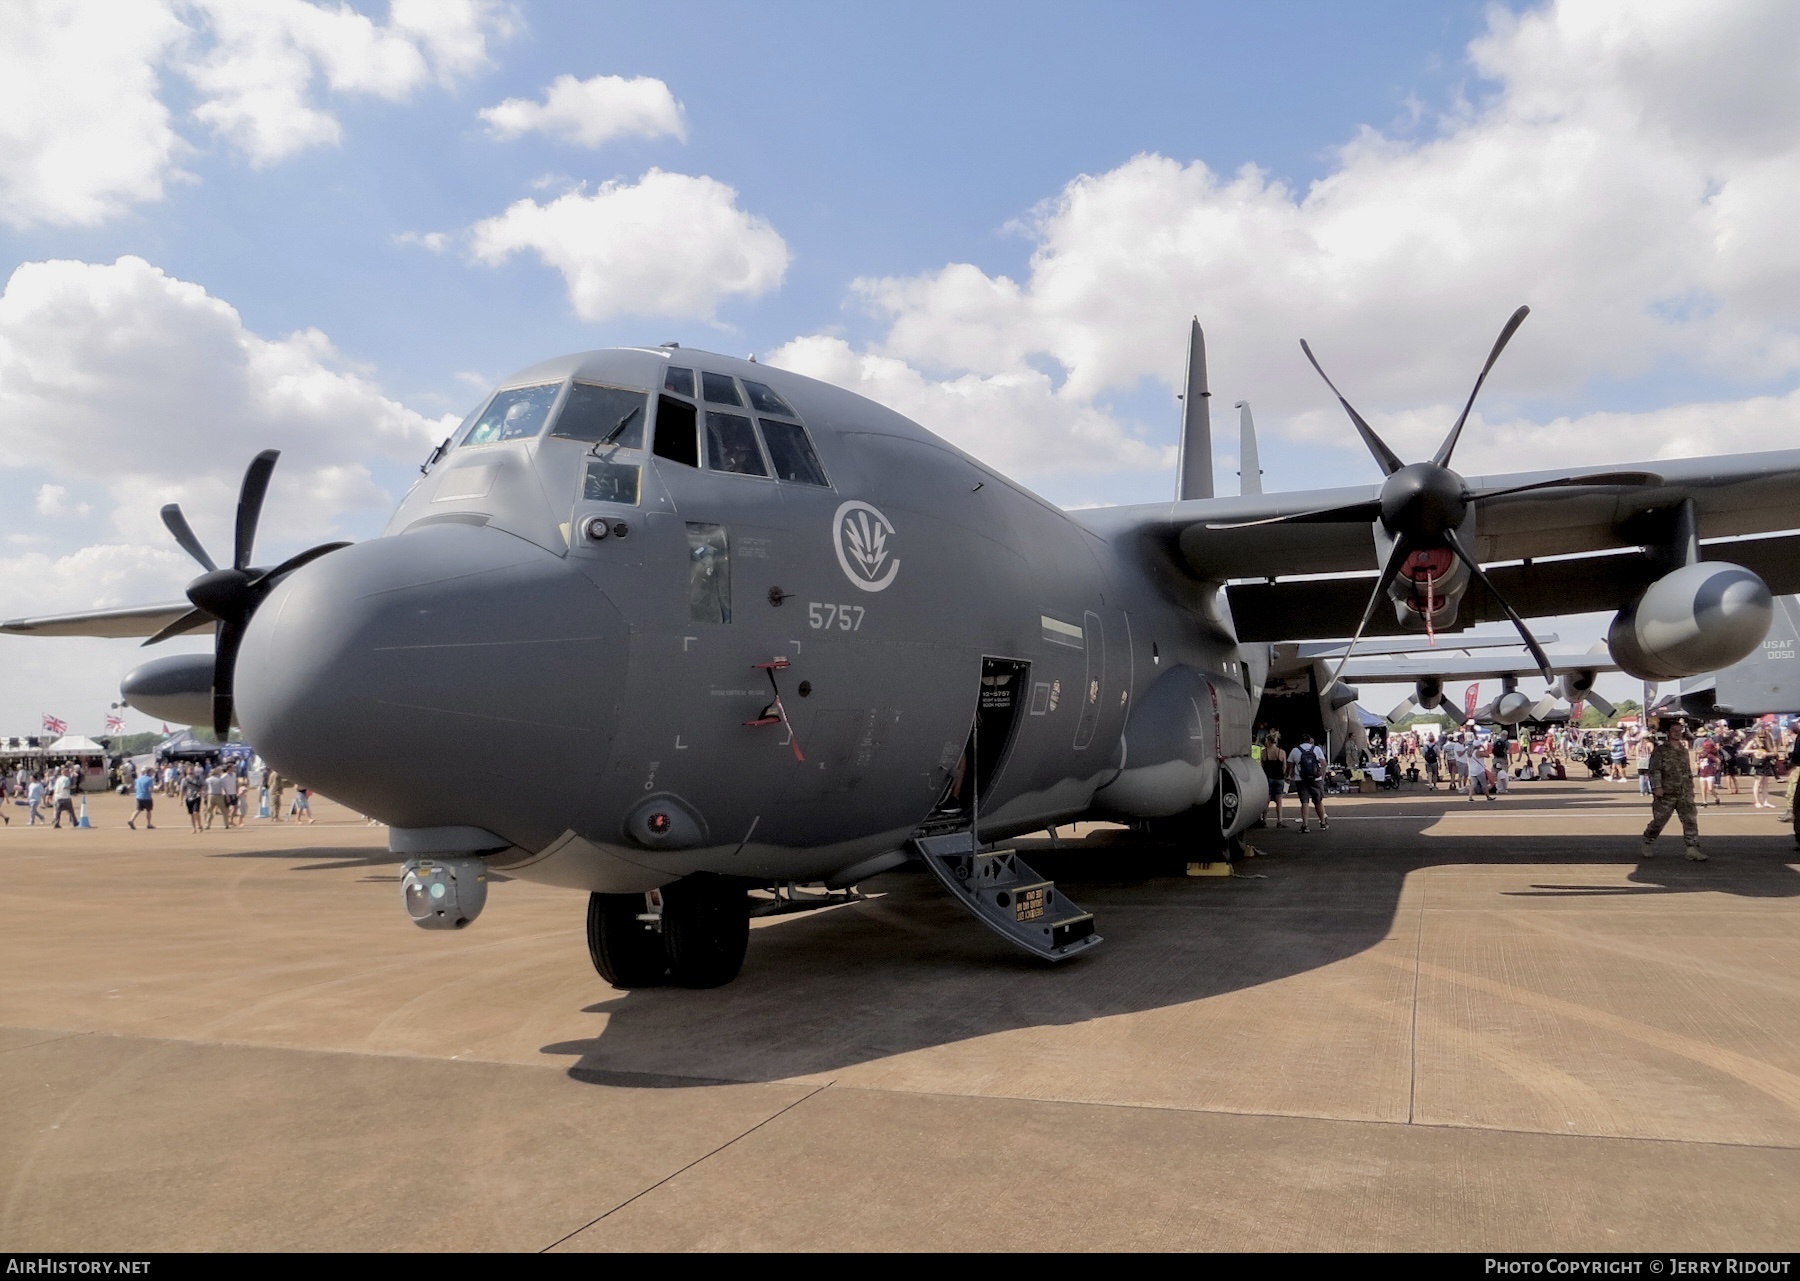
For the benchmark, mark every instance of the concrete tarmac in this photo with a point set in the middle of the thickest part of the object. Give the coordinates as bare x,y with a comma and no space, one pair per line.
1438,1025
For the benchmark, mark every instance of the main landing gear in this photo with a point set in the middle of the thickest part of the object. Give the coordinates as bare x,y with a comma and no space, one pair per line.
693,933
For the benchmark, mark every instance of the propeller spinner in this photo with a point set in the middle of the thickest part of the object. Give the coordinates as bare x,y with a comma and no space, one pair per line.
231,595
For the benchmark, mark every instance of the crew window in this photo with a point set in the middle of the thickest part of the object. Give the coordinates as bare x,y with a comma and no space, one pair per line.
720,389
709,574
676,436
731,445
680,381
512,414
791,452
594,413
610,482
763,397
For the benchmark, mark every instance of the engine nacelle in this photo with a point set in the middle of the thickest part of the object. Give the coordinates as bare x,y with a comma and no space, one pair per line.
177,689
1576,685
1512,707
1428,692
1698,619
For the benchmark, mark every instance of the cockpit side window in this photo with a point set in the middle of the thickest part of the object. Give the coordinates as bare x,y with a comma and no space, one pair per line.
593,413
677,437
721,389
513,414
680,381
792,453
731,445
764,399
611,482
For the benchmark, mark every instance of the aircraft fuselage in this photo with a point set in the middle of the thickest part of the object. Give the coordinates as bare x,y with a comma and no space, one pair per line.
573,667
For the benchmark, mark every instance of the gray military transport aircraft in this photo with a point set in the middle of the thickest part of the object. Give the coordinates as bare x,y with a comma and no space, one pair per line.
667,627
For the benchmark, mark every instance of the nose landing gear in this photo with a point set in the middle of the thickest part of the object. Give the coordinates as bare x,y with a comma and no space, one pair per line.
693,933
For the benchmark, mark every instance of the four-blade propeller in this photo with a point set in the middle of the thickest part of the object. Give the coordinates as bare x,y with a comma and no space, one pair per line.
1423,505
230,596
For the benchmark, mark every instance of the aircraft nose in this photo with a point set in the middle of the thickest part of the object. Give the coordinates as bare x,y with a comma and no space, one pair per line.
449,676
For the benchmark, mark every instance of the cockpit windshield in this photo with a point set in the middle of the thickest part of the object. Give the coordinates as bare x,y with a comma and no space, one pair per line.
512,414
594,413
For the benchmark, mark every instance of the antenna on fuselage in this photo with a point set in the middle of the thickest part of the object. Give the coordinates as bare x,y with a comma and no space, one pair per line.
1249,462
1196,467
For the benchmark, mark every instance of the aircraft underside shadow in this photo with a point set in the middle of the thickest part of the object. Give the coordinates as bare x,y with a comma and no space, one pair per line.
908,970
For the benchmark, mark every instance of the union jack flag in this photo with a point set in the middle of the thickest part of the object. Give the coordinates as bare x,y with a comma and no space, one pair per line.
115,722
53,725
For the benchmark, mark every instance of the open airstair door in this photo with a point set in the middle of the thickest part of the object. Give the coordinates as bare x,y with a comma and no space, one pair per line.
998,702
997,886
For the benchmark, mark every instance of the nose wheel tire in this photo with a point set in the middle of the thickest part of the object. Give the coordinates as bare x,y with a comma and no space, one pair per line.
705,930
626,951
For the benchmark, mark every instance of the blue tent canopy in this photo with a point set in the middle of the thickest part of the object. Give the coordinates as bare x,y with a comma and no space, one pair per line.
185,745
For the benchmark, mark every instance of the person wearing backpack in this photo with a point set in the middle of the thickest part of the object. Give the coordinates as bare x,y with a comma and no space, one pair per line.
1306,768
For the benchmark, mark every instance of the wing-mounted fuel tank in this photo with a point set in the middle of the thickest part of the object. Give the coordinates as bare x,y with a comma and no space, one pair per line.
1700,618
1183,732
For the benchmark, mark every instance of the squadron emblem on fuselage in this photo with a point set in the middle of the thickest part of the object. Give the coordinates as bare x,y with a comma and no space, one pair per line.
860,535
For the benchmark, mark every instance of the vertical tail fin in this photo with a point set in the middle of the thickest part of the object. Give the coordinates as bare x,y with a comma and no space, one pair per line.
1249,461
1196,479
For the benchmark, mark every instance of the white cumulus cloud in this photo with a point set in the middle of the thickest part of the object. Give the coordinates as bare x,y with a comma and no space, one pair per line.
668,245
1016,419
85,128
83,133
53,500
259,78
591,112
1630,176
120,377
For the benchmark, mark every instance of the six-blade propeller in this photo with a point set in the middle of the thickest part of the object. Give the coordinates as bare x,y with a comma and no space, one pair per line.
1423,505
230,596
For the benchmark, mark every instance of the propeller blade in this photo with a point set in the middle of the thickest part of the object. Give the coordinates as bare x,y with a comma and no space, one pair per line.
1605,478
1406,707
1389,573
1389,460
1348,513
1543,707
292,563
1442,457
1599,704
225,676
193,620
176,524
250,502
1480,575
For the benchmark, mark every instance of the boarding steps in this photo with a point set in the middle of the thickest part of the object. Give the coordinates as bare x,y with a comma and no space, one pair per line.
1005,895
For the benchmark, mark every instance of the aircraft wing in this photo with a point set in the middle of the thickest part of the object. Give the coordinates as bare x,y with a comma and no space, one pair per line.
137,620
1734,496
1413,643
1468,667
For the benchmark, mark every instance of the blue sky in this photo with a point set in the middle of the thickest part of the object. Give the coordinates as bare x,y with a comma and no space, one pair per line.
878,143
994,217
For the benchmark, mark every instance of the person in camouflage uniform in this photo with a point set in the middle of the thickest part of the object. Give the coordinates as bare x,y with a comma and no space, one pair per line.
1672,788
